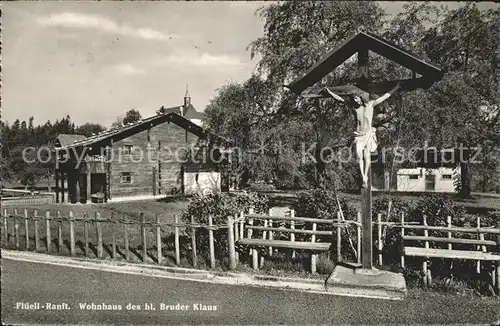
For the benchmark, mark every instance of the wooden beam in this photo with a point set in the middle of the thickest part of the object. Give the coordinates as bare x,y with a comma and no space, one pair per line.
292,231
366,224
366,193
317,246
89,185
377,87
400,56
453,229
363,66
363,42
450,240
77,186
154,181
324,66
62,186
451,254
290,218
406,85
57,185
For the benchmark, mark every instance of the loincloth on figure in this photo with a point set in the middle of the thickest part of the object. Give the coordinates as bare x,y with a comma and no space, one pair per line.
367,140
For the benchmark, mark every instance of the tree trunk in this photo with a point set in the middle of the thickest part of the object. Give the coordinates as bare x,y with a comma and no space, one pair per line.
465,191
320,165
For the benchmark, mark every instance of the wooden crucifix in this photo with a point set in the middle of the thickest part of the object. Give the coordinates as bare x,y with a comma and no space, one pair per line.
365,137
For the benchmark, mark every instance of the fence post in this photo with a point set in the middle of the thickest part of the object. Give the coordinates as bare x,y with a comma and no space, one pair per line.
49,237
271,233
264,233
5,228
379,238
59,232
482,248
292,226
402,239
313,255
236,236
177,244
339,239
143,237
16,231
497,277
26,229
99,234
125,240
193,242
211,241
448,222
242,225
424,264
14,225
159,252
230,240
255,256
358,235
113,236
37,237
71,234
86,234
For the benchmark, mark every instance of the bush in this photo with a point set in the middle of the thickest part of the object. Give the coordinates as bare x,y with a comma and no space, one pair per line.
220,206
398,207
261,186
393,245
437,207
323,205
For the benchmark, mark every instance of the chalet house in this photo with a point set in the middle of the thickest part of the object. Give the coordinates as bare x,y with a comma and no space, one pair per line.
435,172
145,159
427,180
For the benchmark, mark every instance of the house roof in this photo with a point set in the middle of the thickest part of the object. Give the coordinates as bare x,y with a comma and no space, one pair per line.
363,41
67,139
190,112
164,115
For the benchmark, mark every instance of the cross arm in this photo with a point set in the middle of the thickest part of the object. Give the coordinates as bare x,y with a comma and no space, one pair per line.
378,87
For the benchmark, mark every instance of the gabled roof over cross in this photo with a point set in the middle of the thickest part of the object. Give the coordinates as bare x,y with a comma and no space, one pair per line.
361,42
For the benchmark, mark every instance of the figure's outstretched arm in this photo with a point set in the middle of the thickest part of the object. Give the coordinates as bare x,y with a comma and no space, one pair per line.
335,96
386,95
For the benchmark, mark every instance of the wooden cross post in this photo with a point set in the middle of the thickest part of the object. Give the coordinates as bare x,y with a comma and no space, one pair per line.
366,193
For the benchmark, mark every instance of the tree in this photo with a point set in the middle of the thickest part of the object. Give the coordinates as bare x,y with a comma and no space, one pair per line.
89,128
131,116
238,112
466,44
297,34
118,123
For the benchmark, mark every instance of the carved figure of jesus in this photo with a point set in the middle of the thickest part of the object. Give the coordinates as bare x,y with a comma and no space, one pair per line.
365,138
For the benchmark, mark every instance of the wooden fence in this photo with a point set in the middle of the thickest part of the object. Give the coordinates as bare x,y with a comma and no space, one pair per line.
29,198
291,226
24,232
30,225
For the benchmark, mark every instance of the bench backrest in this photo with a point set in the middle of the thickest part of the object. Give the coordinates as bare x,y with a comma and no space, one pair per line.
480,232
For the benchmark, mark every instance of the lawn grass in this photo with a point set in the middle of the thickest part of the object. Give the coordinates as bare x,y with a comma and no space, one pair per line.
480,203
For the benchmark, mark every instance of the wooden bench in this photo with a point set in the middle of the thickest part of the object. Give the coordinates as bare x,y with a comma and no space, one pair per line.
268,231
480,254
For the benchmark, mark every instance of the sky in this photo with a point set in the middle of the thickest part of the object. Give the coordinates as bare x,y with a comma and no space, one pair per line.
96,60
